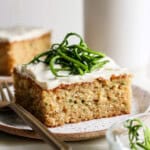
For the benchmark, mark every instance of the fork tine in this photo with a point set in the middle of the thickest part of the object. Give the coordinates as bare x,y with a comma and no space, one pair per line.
11,97
4,98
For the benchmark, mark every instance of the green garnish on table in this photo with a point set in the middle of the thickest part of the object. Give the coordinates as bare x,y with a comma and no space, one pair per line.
74,58
138,133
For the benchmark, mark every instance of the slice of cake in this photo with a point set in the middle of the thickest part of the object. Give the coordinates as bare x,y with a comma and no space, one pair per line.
72,83
18,45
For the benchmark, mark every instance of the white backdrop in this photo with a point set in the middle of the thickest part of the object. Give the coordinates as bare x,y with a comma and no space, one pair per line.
120,28
61,16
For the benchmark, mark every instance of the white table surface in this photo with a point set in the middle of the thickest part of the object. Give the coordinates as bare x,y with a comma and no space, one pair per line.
10,142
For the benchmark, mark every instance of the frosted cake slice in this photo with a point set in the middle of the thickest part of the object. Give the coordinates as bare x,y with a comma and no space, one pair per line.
18,45
72,83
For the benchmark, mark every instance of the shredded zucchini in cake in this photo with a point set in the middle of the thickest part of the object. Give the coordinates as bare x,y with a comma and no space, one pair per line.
76,59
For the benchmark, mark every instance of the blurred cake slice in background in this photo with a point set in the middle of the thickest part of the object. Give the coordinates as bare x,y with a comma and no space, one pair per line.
18,45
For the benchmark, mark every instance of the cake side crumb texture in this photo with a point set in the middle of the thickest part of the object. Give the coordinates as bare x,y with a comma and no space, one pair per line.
75,102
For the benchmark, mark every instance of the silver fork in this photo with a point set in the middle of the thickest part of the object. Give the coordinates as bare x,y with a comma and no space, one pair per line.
34,123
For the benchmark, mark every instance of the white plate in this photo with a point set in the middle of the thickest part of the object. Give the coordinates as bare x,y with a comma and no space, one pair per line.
11,123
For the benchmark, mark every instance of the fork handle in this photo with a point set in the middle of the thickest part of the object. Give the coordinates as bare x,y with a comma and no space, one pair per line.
40,128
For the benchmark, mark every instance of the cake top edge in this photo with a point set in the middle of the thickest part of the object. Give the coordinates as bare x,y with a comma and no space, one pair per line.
19,33
43,77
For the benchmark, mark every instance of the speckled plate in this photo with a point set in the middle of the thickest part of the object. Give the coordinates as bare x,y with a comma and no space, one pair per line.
11,123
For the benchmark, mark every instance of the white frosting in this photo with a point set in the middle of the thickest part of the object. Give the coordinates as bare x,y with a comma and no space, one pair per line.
20,33
42,75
